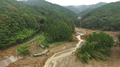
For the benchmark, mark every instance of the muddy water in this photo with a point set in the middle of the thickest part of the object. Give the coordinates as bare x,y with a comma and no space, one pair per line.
52,61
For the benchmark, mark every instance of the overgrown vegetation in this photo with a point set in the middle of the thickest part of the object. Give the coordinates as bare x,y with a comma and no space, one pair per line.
44,44
82,13
61,10
57,43
105,17
58,32
47,44
23,48
119,37
76,21
97,47
19,21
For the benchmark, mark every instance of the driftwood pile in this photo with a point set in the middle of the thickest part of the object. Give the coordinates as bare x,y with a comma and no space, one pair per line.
40,54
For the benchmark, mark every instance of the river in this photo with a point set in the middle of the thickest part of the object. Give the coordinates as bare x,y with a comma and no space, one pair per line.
52,61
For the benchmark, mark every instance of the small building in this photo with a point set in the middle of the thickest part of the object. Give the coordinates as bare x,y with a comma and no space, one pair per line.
79,17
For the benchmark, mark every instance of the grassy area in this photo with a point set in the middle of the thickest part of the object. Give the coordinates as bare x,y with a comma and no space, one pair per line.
23,48
41,38
36,53
58,43
32,37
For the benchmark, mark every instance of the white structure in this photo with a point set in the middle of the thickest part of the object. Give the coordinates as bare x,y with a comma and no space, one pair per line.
79,17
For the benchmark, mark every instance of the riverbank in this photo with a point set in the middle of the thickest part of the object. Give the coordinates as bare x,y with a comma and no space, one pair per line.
40,61
33,48
113,61
68,61
73,61
53,60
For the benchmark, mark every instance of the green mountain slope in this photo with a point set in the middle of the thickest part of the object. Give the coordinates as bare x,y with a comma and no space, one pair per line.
80,8
73,8
55,7
19,21
82,13
105,17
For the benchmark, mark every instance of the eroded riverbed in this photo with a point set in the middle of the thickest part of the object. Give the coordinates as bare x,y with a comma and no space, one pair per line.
53,60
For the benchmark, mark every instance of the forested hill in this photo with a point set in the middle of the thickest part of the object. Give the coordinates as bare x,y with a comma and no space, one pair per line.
55,7
106,17
82,13
19,21
90,8
80,8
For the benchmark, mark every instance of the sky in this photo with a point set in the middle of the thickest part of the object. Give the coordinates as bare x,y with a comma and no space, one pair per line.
78,2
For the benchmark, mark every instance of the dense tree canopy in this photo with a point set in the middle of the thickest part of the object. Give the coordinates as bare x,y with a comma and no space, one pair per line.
55,7
56,30
76,21
19,21
105,17
97,47
82,13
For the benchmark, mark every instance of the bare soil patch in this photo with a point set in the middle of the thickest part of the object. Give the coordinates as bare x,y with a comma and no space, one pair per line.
111,33
72,61
40,61
8,52
113,61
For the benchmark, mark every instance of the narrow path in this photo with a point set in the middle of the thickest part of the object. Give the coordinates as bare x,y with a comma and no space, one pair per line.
33,39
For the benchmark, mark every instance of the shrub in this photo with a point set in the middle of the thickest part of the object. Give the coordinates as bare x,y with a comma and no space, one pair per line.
119,44
22,48
97,47
84,57
44,44
25,51
119,37
59,32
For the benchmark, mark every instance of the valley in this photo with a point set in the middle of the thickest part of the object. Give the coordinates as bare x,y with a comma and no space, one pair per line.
83,9
33,48
113,61
39,33
62,54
